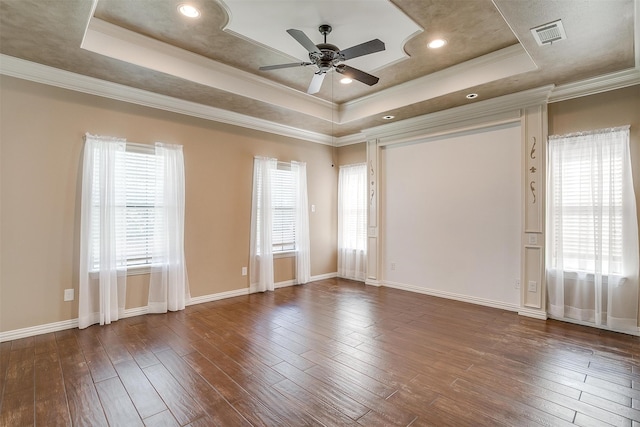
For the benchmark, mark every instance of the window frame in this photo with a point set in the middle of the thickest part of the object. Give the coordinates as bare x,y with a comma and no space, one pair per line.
611,187
285,247
132,150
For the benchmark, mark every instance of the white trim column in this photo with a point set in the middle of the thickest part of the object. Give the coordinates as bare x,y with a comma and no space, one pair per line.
534,141
373,225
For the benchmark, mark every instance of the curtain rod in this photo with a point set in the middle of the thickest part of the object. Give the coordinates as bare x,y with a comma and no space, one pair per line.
591,132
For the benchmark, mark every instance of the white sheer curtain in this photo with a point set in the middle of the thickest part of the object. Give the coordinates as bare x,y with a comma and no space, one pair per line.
303,256
261,248
592,266
103,274
352,221
169,285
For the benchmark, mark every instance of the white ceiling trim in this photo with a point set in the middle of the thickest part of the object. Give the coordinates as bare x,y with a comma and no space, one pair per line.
502,109
39,73
26,70
497,65
119,43
604,83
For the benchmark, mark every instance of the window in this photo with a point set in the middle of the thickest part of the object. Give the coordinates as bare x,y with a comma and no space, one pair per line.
592,230
586,201
279,220
140,204
283,209
352,221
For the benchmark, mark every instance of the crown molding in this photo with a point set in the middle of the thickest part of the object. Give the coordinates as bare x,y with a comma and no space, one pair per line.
496,110
510,61
604,83
51,76
119,43
355,138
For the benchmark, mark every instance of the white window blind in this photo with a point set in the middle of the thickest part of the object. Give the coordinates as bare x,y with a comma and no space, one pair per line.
283,207
137,173
586,190
353,206
142,207
283,193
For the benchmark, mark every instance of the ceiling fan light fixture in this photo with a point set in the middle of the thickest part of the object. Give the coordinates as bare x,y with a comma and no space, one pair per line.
346,80
436,43
188,10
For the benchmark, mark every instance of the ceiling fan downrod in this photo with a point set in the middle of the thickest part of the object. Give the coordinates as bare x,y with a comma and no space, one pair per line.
324,30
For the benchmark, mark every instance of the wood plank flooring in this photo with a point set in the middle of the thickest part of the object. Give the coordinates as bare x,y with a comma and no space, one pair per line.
332,353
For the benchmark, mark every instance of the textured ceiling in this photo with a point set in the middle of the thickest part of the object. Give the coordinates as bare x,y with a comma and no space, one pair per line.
600,40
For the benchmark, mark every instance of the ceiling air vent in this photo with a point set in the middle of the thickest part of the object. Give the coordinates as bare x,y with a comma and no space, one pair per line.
549,33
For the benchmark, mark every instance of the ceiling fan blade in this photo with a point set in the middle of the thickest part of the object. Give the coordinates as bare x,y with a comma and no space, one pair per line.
303,40
356,74
277,67
316,83
366,48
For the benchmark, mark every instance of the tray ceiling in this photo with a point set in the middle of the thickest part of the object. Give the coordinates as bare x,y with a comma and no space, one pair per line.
213,60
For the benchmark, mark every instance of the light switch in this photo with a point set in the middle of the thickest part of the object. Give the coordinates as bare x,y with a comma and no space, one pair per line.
533,286
313,208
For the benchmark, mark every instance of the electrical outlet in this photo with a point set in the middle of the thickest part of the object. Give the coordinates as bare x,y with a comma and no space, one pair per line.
69,295
393,266
517,284
313,208
244,271
533,286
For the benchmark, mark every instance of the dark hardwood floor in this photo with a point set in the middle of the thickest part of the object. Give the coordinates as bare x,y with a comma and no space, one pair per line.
333,353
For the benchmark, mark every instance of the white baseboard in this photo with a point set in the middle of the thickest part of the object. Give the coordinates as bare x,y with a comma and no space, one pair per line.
324,276
450,295
371,282
591,325
38,330
285,284
293,282
138,311
218,296
535,314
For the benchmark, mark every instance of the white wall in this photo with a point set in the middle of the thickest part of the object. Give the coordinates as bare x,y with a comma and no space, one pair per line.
452,213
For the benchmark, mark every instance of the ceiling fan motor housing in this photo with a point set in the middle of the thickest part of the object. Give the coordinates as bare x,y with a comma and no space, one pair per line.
329,56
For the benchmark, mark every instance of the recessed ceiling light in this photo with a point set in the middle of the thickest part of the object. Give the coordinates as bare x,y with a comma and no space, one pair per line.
388,117
188,10
437,43
346,80
472,96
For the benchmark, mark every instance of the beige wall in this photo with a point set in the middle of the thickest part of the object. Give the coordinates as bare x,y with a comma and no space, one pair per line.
615,108
41,144
352,154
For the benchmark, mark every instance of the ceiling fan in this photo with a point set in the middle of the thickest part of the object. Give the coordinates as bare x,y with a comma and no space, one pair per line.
327,56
